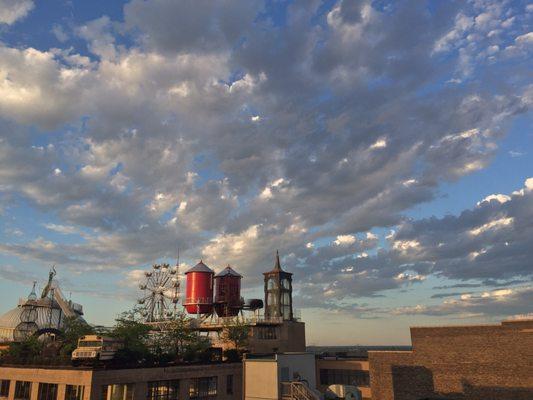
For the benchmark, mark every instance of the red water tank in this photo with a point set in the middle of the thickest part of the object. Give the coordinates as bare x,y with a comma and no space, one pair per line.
228,300
199,292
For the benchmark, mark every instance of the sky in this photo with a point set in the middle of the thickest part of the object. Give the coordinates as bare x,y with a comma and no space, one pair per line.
384,147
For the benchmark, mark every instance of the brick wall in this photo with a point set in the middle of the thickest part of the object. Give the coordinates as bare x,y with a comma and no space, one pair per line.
467,362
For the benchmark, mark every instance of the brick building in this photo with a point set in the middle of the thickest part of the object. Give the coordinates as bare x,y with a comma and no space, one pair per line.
458,362
214,381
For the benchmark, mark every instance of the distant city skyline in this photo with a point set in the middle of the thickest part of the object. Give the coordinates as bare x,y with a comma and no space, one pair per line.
384,148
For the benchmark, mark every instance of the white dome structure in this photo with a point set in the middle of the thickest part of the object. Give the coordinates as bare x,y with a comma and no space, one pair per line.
34,315
48,317
8,323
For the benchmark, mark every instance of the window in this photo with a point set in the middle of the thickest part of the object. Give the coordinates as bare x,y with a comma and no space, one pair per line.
272,298
285,284
229,384
22,390
74,392
272,284
266,332
4,388
47,391
285,374
344,377
117,392
92,343
163,390
203,388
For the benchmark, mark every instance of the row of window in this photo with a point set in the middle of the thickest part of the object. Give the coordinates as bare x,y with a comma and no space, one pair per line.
344,377
47,391
199,388
272,284
272,298
265,332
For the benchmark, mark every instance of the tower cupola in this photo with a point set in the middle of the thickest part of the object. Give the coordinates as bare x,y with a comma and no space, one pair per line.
278,293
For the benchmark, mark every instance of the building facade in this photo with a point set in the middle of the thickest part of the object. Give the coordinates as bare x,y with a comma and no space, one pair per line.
264,376
343,371
487,362
214,381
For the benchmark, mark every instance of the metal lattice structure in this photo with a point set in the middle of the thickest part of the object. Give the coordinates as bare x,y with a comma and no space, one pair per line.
161,293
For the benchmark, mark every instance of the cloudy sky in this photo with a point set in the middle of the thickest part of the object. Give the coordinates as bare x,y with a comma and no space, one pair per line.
384,147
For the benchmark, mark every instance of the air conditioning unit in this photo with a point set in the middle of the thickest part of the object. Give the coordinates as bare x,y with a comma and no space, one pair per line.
347,392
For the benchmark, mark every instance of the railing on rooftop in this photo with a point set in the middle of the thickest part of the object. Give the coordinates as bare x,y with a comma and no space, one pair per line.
298,391
216,321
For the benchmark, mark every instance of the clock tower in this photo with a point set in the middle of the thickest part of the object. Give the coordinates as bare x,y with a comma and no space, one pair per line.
278,293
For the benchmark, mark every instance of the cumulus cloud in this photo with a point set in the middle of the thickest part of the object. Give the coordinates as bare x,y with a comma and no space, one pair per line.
14,274
188,25
14,10
212,127
499,303
480,247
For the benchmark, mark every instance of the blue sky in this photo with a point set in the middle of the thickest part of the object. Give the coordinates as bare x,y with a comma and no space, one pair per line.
385,148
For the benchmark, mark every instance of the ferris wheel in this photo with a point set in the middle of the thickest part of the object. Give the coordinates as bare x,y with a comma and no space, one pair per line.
161,293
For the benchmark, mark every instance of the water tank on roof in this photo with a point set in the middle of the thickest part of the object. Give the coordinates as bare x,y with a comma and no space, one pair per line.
199,292
228,300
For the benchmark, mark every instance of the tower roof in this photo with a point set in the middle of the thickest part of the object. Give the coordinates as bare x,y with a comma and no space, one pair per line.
277,267
33,296
228,271
200,267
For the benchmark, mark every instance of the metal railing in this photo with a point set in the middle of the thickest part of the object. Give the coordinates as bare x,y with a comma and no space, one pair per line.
245,320
201,301
297,391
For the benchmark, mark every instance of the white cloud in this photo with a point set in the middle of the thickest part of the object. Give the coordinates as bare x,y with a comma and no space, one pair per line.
278,185
409,277
371,236
501,198
526,38
162,138
492,225
499,302
14,10
30,78
133,278
64,229
60,33
514,153
232,246
345,240
406,245
379,144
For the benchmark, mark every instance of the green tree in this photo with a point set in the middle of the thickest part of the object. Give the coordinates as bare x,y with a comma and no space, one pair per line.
178,340
236,333
179,335
135,336
24,351
197,349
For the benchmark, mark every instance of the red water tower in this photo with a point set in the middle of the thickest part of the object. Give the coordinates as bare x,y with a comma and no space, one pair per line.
199,292
228,300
